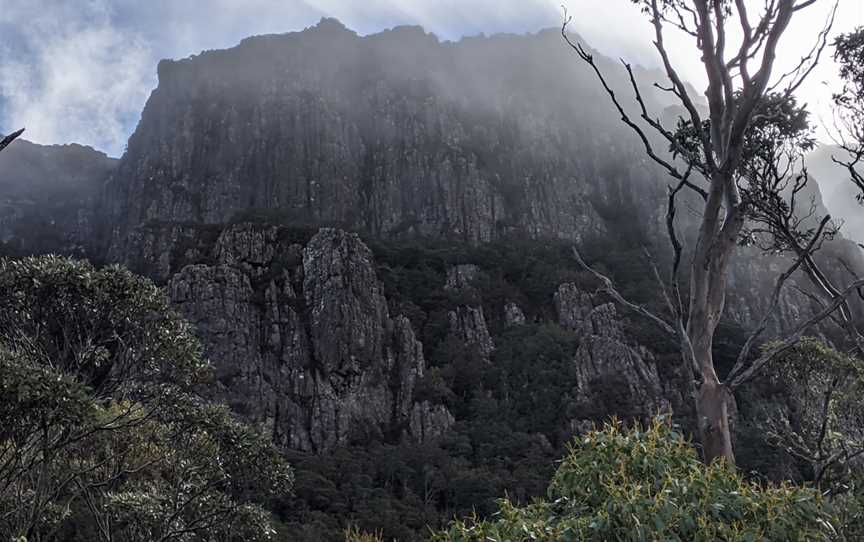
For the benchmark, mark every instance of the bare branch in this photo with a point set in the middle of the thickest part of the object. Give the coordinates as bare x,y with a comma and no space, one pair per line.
625,117
678,83
775,302
610,289
805,4
10,138
808,62
794,336
854,275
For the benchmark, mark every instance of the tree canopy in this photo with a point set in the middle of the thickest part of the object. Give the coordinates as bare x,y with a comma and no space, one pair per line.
105,435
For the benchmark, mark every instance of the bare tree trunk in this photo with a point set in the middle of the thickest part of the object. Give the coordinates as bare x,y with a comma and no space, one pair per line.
716,243
712,400
712,407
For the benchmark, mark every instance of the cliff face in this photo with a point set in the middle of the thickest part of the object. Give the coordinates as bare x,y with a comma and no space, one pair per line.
302,339
48,196
395,134
305,341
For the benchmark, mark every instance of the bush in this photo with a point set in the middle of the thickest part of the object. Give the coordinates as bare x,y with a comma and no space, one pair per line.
650,485
103,326
353,534
104,436
818,419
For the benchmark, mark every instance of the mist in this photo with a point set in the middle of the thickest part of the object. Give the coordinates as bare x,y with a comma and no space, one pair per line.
839,194
82,72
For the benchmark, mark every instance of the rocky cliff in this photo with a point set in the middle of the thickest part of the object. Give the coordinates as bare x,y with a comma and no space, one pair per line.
615,377
302,339
305,341
241,155
395,134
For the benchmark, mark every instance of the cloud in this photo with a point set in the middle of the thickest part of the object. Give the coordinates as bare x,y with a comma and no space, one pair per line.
71,75
81,71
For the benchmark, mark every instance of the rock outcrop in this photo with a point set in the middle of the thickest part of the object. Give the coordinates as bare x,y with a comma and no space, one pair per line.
302,339
460,277
513,315
614,375
468,326
467,321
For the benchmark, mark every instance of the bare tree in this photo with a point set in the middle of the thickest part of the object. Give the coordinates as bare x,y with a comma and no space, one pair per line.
742,160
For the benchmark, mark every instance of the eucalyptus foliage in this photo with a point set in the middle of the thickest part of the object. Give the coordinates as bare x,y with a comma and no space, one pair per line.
105,436
649,484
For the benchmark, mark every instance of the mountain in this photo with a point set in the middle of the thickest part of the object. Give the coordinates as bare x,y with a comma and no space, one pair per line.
373,237
48,197
395,134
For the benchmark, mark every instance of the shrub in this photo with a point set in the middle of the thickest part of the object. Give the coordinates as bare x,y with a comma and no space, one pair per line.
649,484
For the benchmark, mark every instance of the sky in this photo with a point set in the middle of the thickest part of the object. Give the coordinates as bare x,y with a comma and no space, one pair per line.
81,70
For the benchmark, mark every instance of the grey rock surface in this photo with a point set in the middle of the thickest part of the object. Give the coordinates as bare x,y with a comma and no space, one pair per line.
319,360
614,375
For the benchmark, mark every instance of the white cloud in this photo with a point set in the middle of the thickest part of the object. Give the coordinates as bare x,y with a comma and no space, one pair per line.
80,78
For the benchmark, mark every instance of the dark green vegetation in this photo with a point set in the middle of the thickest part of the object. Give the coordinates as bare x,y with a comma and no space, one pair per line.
821,424
105,433
651,485
508,432
511,414
109,436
